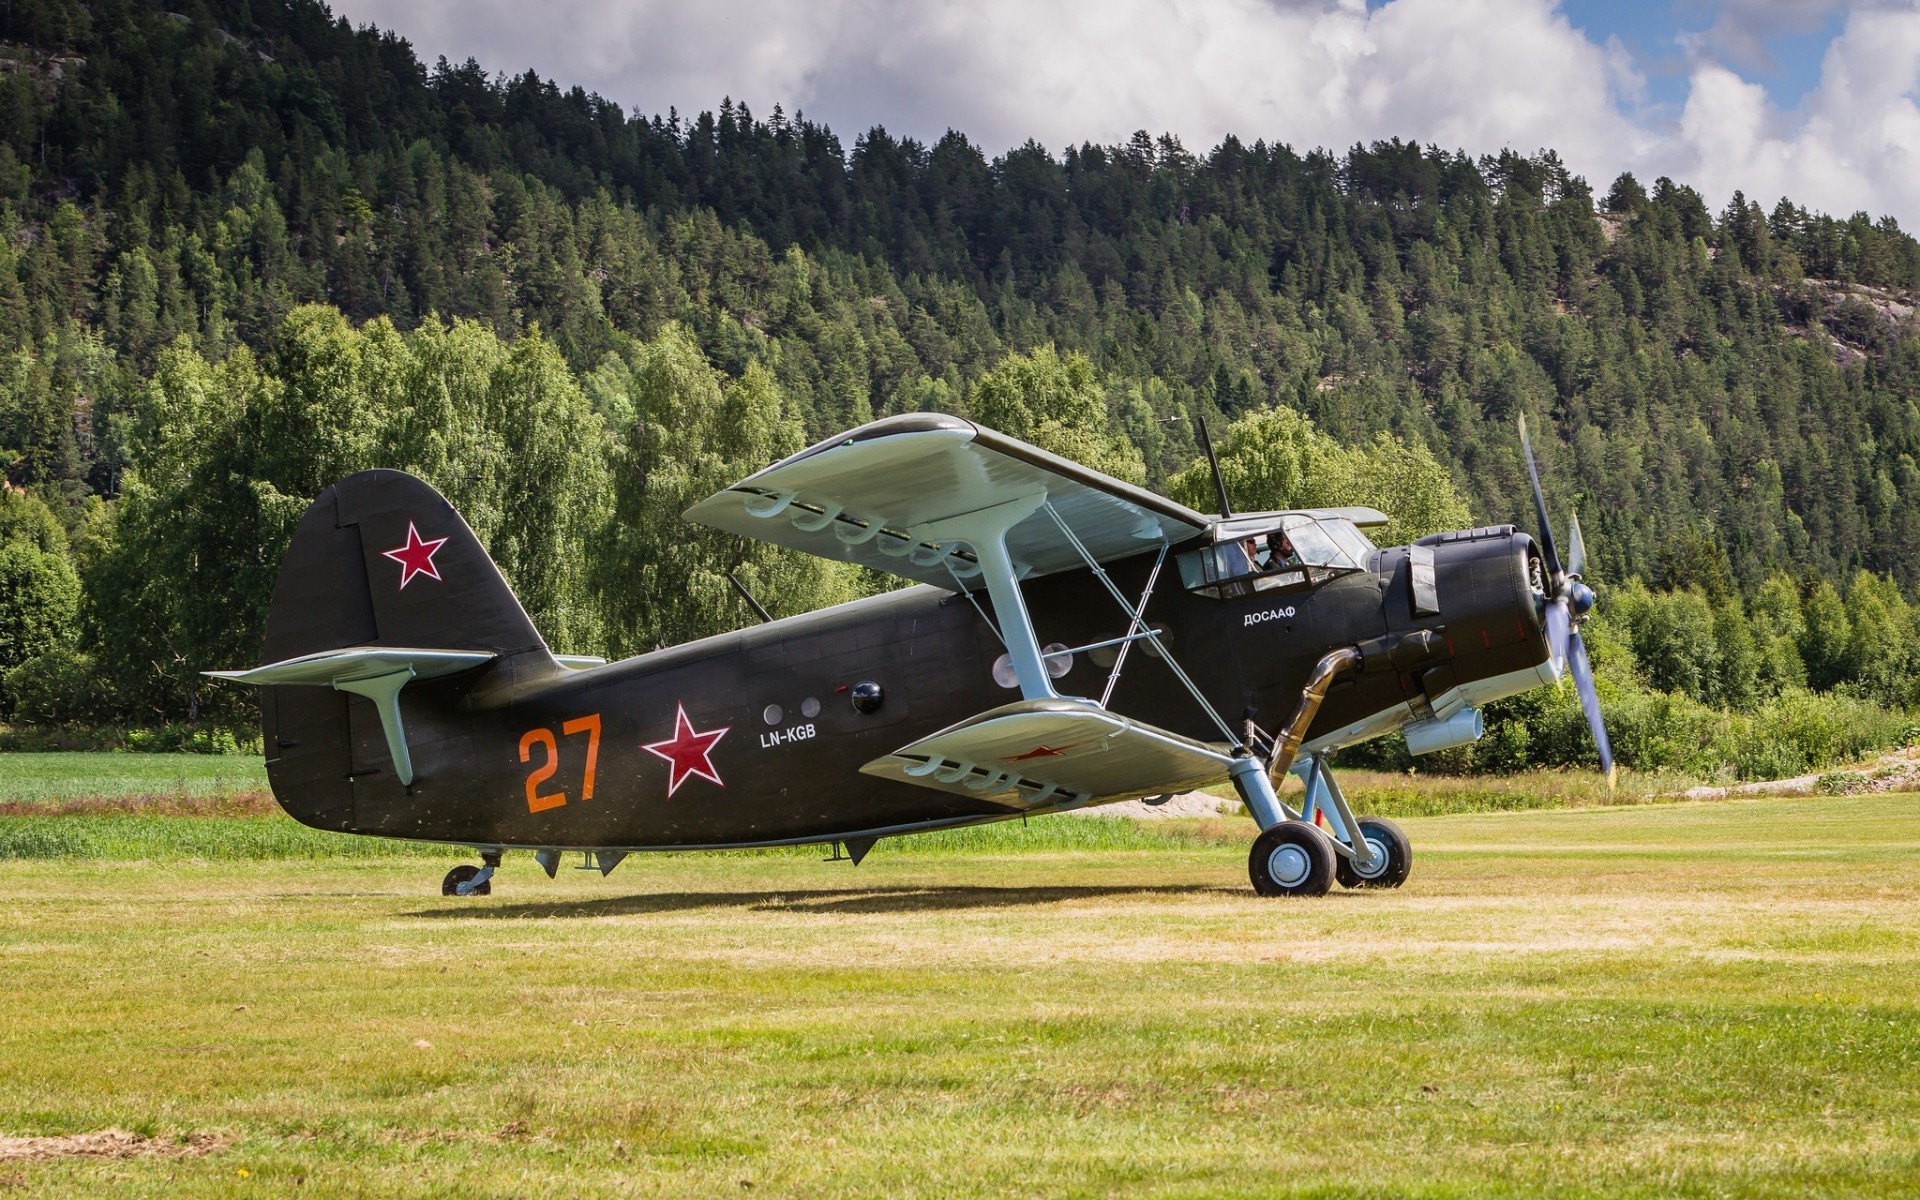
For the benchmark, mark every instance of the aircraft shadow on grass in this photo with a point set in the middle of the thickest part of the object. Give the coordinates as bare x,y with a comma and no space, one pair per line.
824,900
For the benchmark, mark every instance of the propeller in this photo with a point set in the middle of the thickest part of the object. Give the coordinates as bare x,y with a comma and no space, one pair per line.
1568,601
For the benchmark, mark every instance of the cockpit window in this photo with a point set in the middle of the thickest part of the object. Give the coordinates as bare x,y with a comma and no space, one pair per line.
1274,552
1359,546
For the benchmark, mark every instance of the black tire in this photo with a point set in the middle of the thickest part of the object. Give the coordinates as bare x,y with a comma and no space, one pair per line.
1385,835
460,875
1291,859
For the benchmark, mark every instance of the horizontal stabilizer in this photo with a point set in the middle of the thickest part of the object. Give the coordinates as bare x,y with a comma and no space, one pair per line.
878,496
1036,754
345,666
376,673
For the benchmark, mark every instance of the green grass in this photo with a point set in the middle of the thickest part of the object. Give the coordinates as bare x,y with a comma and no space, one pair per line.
132,836
1677,1000
68,775
125,837
1386,794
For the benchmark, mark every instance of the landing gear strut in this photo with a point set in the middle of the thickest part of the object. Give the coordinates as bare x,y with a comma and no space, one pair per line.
469,880
1292,857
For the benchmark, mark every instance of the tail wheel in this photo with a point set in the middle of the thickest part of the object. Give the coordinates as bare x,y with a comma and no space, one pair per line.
1392,857
1291,859
461,874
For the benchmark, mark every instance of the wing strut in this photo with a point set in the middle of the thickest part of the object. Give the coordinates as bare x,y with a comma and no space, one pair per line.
1166,653
985,529
1135,628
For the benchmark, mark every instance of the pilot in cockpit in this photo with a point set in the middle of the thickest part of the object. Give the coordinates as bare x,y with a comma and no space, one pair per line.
1280,551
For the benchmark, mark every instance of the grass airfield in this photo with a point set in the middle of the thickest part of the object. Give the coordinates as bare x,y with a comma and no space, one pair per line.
1715,999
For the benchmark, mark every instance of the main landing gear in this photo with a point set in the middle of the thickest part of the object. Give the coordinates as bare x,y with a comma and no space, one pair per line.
469,880
1293,857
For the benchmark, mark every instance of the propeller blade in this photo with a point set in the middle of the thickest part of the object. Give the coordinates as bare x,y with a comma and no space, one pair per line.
1590,701
1559,626
1547,549
1576,549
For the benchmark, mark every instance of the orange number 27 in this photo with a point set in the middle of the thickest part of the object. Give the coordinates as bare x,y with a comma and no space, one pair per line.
589,725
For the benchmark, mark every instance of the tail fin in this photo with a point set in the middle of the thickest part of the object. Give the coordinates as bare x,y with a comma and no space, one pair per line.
381,559
383,585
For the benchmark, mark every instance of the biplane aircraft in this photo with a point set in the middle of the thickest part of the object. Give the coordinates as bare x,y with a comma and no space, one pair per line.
1073,641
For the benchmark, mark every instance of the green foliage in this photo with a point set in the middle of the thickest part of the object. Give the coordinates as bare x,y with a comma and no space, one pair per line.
1058,404
688,432
26,520
1277,459
58,686
39,595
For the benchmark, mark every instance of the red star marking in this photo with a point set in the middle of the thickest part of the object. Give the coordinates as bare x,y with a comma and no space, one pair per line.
688,751
1039,752
416,557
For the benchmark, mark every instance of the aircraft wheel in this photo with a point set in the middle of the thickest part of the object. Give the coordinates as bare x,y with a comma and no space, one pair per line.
461,874
1291,859
1391,868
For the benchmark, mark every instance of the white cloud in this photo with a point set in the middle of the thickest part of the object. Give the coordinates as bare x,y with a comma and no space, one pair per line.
1474,74
1854,146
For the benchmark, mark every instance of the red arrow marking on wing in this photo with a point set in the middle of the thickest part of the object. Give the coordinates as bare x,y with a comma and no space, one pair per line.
1042,752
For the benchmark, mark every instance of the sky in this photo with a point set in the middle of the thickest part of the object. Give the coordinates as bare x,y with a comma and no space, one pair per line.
1818,100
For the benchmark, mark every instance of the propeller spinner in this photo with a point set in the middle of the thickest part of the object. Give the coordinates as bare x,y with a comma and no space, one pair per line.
1568,601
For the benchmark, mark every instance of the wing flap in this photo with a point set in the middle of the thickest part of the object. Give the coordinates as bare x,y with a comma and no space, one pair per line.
1036,754
867,497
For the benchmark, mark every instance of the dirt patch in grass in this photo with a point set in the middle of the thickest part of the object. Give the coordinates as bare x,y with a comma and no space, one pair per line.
172,804
108,1143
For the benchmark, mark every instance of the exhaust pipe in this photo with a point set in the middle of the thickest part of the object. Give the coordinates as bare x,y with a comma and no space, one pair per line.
1286,746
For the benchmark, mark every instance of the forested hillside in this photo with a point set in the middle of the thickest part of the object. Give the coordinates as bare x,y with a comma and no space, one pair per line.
247,248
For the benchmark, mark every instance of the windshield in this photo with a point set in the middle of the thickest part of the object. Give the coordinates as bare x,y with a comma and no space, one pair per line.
1359,546
1314,547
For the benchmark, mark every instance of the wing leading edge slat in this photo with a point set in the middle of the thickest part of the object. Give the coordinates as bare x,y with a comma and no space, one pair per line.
868,497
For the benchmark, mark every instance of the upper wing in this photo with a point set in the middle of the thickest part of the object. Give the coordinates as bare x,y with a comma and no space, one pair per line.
861,496
1040,753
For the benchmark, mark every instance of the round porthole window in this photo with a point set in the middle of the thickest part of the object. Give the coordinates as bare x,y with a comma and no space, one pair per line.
868,696
810,708
773,714
1003,673
1059,662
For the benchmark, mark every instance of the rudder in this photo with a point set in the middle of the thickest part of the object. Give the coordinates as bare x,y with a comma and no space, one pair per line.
380,560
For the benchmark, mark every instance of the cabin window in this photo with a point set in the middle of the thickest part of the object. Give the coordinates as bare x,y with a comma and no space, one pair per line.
1279,552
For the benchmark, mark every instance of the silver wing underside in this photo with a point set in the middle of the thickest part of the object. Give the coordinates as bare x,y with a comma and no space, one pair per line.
1037,754
868,496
